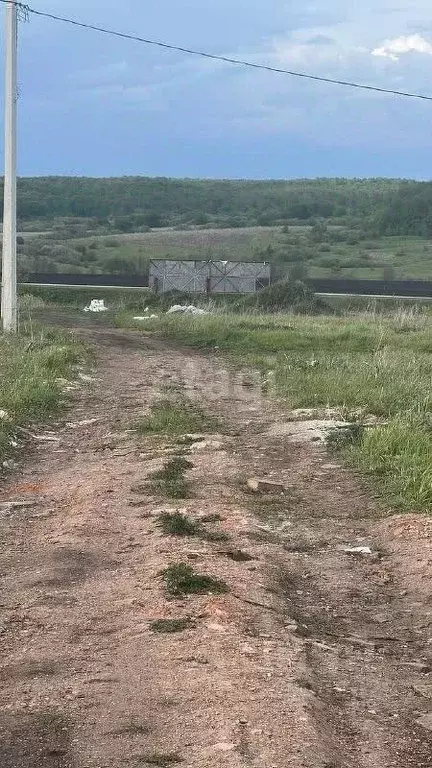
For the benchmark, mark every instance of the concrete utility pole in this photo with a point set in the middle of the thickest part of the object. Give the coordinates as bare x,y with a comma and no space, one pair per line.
9,268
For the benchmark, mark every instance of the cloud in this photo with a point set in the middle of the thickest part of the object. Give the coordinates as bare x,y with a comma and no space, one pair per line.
320,40
393,49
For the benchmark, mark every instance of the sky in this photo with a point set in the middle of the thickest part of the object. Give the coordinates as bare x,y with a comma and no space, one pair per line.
95,105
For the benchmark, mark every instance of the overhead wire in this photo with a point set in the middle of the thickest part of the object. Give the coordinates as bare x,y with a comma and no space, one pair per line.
27,10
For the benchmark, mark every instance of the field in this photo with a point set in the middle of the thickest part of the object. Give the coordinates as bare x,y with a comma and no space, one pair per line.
32,368
360,366
293,247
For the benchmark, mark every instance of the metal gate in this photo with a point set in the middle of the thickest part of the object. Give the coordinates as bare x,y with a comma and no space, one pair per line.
208,276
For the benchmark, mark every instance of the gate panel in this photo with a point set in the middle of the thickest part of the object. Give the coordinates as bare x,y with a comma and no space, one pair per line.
208,276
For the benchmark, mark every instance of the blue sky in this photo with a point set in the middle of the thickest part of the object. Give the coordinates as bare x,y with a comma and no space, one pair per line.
96,105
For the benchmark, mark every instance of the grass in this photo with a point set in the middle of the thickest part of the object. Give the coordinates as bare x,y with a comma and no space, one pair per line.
180,580
361,364
79,296
174,417
170,626
177,524
170,480
31,369
409,255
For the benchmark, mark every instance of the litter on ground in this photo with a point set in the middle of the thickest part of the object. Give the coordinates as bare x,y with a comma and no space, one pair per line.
146,317
186,309
96,305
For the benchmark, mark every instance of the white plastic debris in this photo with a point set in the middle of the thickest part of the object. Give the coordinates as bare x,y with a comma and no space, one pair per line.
357,551
96,305
186,309
146,317
4,416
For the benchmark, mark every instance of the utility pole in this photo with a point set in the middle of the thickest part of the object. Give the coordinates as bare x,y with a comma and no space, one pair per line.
9,268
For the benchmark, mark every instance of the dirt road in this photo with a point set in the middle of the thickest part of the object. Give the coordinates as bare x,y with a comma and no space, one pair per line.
314,658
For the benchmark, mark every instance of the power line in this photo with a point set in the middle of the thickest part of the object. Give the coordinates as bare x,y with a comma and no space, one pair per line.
215,57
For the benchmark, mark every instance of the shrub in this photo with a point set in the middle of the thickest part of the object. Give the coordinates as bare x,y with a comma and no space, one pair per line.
180,580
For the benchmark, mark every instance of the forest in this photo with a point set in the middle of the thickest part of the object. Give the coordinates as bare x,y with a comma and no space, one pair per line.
130,203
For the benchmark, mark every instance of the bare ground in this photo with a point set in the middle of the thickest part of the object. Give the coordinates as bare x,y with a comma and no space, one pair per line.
315,658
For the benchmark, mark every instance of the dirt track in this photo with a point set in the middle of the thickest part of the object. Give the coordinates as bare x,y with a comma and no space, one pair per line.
314,659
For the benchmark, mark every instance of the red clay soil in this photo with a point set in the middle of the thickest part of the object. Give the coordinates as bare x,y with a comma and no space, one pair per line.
314,658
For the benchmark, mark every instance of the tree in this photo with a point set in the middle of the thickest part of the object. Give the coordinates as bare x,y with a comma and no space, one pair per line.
298,272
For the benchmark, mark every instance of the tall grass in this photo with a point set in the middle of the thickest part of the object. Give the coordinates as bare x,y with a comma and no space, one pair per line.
31,369
360,364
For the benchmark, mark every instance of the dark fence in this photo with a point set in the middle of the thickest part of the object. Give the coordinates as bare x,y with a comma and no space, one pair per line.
415,288
120,281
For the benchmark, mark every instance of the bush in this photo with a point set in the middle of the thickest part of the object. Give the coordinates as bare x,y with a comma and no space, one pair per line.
286,295
27,302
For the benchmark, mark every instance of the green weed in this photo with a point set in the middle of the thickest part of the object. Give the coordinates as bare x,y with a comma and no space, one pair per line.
172,417
399,455
170,480
180,579
31,369
177,524
341,437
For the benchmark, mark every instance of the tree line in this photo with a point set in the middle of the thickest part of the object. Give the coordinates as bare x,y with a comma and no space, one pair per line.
136,203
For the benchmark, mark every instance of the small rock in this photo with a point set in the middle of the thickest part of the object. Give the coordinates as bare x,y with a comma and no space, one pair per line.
224,746
9,506
216,627
357,550
425,721
207,445
424,690
83,423
238,555
258,485
418,666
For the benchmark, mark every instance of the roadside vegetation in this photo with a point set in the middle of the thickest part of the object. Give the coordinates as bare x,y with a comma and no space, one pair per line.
33,369
371,369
